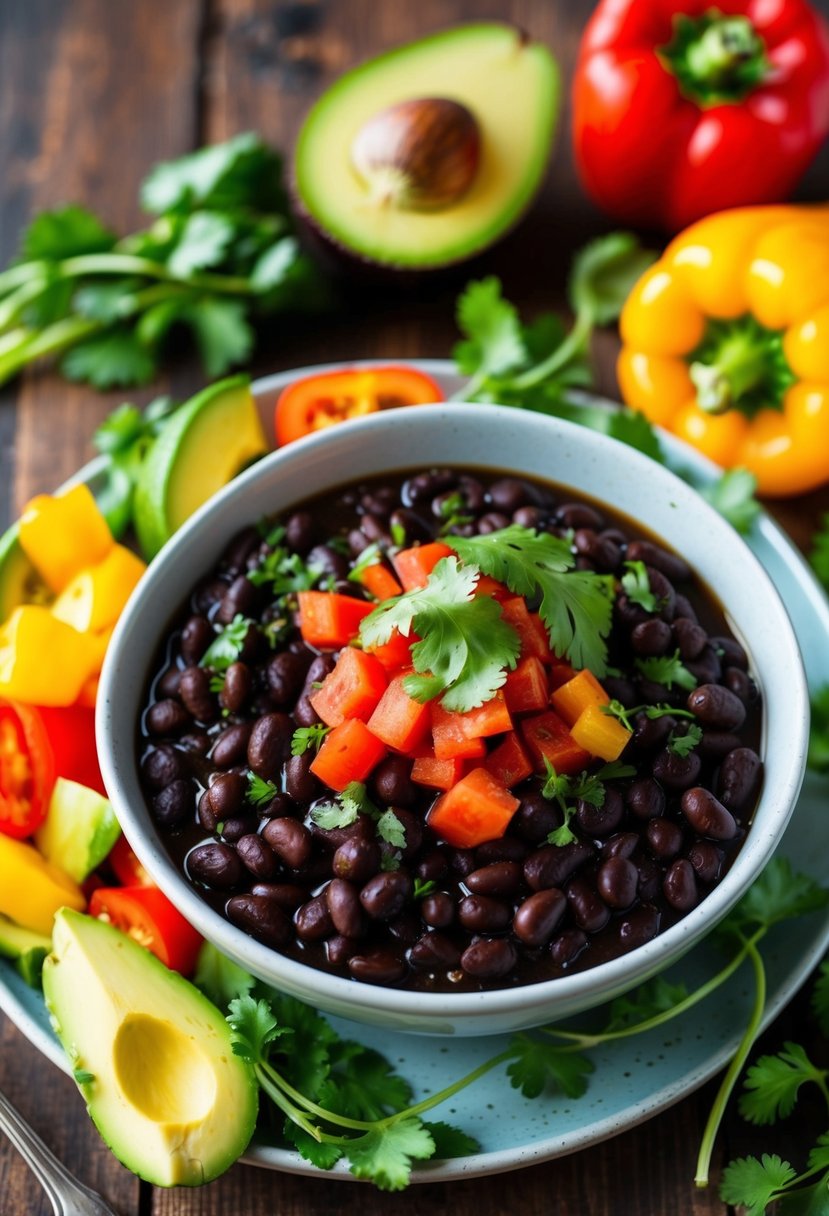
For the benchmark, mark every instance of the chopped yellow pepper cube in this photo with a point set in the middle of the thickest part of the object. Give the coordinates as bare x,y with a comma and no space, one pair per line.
64,534
32,888
44,661
94,599
599,733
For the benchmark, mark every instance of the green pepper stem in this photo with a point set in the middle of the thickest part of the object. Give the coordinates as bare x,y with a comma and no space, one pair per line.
717,59
739,365
724,46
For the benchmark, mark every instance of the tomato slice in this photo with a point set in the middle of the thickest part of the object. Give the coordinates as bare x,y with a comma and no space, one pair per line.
146,915
310,405
27,769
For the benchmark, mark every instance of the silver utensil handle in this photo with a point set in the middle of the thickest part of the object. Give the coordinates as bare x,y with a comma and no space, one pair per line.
67,1196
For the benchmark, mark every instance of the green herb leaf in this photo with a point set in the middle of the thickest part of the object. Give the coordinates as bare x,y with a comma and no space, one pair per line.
752,1184
451,1141
227,645
219,978
308,736
390,829
82,1076
422,889
819,556
773,1082
779,894
683,745
604,274
112,359
320,1153
564,834
108,301
353,801
818,755
241,172
637,586
384,1156
820,997
576,605
254,1027
67,233
540,1065
223,336
260,792
362,1084
372,555
494,343
645,1002
668,670
203,242
733,495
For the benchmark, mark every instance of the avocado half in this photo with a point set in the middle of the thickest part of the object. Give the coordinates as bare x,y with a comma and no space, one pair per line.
508,84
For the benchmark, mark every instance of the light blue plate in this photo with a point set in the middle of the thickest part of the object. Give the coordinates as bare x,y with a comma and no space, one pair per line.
640,1076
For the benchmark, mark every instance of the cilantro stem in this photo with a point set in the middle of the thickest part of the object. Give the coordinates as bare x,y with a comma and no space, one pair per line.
15,304
16,276
48,341
572,345
266,1077
329,1116
128,264
735,1068
449,1092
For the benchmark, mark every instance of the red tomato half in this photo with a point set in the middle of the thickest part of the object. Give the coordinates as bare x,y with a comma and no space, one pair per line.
71,731
146,915
27,770
126,867
317,402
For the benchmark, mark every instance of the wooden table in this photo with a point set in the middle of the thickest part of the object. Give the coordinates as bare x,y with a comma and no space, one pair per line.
92,93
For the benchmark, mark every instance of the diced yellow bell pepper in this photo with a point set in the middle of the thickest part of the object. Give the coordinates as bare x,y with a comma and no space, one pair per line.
64,534
94,599
32,888
599,733
576,695
44,661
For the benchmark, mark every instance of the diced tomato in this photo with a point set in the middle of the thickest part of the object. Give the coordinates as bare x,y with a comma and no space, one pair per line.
147,916
27,769
400,721
71,733
526,687
576,695
380,581
475,810
509,762
560,673
348,753
437,774
529,627
449,738
600,734
330,620
126,867
547,738
396,652
491,587
491,718
352,689
414,566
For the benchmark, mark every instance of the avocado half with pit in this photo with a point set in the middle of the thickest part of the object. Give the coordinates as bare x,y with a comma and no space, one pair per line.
428,154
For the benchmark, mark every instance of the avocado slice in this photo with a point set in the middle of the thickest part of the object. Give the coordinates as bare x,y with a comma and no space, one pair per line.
507,83
152,1056
202,447
27,949
79,830
20,583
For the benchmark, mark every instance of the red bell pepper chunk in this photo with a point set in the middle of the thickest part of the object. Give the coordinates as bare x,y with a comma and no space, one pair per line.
560,673
71,731
449,738
475,810
526,688
147,915
414,566
380,581
509,762
396,652
529,627
437,774
348,753
126,867
547,738
352,689
491,718
398,720
491,587
330,620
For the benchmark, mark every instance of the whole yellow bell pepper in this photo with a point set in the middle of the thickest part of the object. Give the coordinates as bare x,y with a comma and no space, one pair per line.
726,343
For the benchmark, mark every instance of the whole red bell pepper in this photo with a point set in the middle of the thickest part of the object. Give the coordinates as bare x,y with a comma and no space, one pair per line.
684,107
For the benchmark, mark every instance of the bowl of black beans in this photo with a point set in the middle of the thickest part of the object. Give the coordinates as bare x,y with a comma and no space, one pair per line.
454,719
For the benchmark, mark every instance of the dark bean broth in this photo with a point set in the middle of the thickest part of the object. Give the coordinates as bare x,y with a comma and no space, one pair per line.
638,865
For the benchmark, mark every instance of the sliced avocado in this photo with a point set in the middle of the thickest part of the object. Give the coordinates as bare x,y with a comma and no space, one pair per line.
507,83
28,949
202,447
20,583
152,1056
79,830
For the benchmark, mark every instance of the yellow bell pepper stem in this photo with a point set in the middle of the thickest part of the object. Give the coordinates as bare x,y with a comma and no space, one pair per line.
32,888
64,534
44,661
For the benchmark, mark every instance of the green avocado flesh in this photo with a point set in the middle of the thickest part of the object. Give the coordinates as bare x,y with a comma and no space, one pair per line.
511,87
26,948
151,1055
79,830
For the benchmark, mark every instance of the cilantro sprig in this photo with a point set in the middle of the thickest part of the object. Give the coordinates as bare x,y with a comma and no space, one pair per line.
227,645
353,802
668,670
566,791
637,586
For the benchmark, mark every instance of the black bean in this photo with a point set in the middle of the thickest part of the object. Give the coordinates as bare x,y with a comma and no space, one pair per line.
313,920
338,950
207,595
379,967
304,713
196,636
195,741
738,779
651,637
690,638
629,613
290,840
415,527
617,880
227,794
207,816
432,867
237,687
664,837
269,745
509,493
493,521
731,652
680,885
236,826
684,608
676,772
715,744
434,951
567,946
552,865
167,684
601,550
474,495
406,928
645,798
239,548
231,745
426,485
343,902
706,859
707,815
216,865
650,733
588,910
741,684
664,591
601,820
498,878
356,859
332,838
385,895
482,914
671,565
285,676
530,517
489,958
380,500
326,559
623,845
256,855
391,782
537,917
717,706
412,826
650,878
535,818
287,895
194,690
638,927
579,515
163,765
238,600
374,530
438,910
706,668
174,804
508,848
299,532
621,689
261,917
463,861
167,718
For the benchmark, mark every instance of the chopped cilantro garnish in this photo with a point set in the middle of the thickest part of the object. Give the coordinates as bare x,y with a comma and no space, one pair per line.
637,587
683,745
227,645
308,736
259,791
668,670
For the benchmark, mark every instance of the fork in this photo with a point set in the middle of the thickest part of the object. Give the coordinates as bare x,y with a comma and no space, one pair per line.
67,1196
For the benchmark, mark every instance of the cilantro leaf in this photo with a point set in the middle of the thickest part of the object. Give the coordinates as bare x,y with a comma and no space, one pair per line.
732,495
372,555
604,273
576,605
820,997
254,1027
653,997
384,1156
818,756
353,801
66,233
637,586
819,556
108,301
390,829
241,171
683,745
227,645
110,359
539,1065
260,792
772,1084
628,426
202,242
305,737
284,573
753,1184
668,670
83,1076
362,1083
465,645
320,1153
451,1141
219,978
306,1061
777,895
819,1155
222,334
494,343
423,888
564,834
